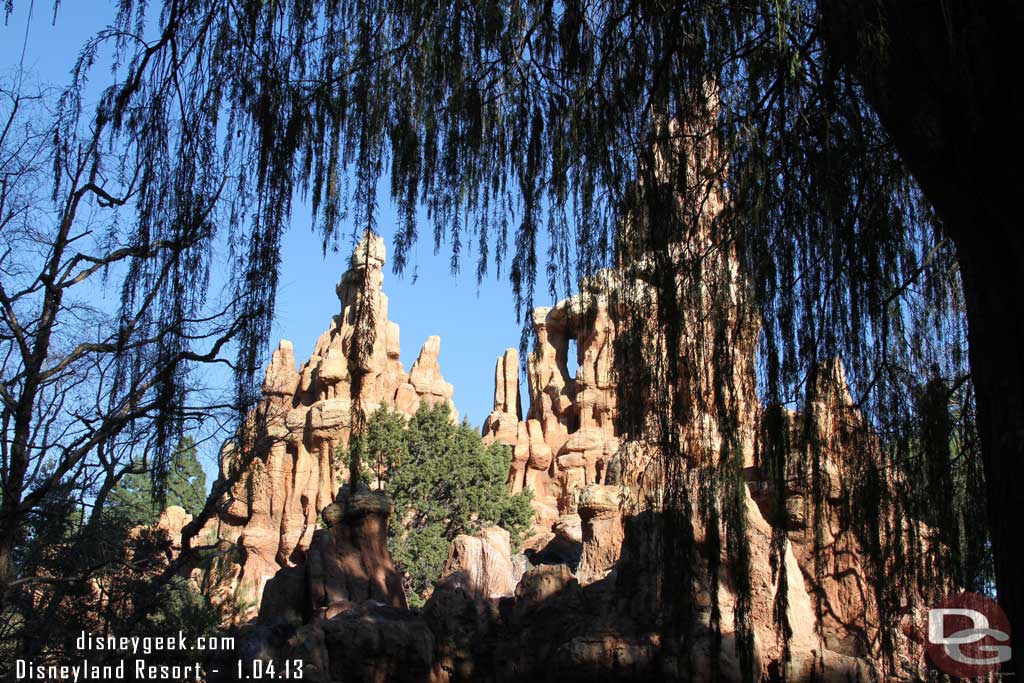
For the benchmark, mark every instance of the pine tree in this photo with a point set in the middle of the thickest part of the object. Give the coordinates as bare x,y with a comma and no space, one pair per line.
443,482
135,500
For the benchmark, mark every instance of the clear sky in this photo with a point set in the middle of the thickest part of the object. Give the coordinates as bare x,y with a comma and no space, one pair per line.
475,324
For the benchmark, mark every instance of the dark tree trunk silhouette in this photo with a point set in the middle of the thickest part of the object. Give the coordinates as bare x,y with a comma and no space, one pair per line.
946,84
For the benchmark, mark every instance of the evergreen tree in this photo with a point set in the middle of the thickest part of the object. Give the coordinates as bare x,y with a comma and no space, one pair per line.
135,501
443,482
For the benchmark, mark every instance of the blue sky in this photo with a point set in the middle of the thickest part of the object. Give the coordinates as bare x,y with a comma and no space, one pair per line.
475,323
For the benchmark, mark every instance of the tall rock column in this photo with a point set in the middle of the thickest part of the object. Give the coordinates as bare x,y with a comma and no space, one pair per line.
284,463
502,424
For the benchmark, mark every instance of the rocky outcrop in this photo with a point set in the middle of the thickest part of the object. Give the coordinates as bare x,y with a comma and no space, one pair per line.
348,562
600,511
808,608
587,602
344,613
283,464
164,533
600,621
481,564
569,434
812,498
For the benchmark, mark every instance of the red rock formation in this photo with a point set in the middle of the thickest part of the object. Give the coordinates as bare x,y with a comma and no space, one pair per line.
348,562
599,495
343,613
600,510
481,564
289,470
585,474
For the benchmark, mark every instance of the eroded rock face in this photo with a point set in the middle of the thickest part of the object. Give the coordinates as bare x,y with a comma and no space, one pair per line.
586,475
591,609
600,622
600,511
348,562
164,534
481,564
569,431
288,470
344,613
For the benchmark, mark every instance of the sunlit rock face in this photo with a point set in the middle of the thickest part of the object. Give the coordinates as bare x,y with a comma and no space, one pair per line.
810,609
571,435
291,473
586,602
568,436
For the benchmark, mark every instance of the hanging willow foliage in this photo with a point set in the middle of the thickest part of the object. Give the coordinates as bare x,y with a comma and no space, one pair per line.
519,124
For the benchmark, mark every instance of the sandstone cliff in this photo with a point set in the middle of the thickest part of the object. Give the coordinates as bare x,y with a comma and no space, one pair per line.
289,472
809,608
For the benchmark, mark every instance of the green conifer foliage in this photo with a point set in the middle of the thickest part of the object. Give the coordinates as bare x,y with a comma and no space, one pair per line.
134,501
443,482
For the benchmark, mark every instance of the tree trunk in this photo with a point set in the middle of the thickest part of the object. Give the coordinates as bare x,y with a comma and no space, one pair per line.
6,550
11,517
993,281
942,76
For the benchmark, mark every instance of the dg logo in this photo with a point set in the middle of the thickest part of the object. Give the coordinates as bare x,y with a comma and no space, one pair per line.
968,636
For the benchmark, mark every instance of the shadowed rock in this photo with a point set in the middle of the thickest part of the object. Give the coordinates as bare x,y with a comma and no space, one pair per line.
349,562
